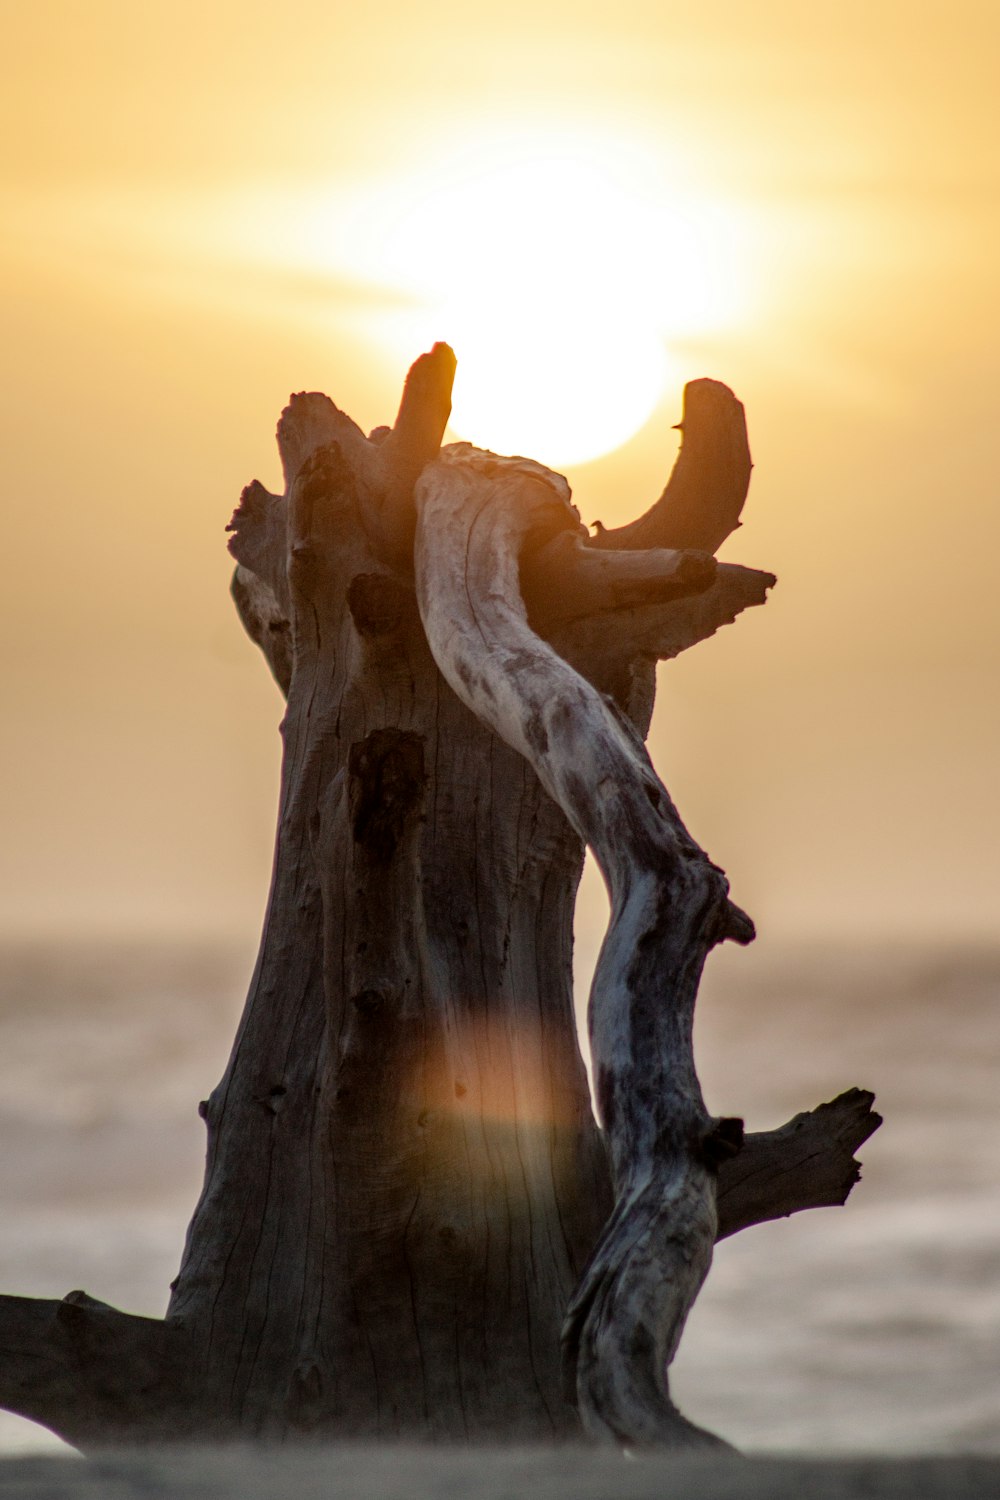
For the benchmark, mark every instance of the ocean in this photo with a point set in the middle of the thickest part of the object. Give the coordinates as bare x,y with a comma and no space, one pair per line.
874,1328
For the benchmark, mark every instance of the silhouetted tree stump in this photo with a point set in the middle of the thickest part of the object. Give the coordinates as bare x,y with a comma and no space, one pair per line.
411,1224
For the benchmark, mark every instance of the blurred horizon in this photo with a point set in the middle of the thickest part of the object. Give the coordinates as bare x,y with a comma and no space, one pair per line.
205,210
869,1328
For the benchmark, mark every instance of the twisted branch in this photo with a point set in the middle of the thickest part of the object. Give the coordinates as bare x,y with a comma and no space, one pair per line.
669,905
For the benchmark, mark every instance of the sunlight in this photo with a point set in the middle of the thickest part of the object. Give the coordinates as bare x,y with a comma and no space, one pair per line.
565,265
559,268
547,381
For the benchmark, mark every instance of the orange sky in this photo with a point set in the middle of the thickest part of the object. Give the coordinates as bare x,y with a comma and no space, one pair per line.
206,208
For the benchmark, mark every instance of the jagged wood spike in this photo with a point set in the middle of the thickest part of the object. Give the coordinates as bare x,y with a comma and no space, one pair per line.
807,1163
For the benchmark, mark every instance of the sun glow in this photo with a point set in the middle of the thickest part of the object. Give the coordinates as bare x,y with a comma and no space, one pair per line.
559,272
566,270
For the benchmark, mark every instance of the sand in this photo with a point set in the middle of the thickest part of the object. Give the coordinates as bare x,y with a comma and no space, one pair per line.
358,1472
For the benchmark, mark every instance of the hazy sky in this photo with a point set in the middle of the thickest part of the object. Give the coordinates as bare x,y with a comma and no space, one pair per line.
206,207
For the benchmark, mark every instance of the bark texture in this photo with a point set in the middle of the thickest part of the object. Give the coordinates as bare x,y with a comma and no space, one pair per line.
411,1224
669,906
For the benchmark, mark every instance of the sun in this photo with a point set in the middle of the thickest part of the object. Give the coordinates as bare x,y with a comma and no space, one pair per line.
551,381
564,266
526,269
568,267
559,268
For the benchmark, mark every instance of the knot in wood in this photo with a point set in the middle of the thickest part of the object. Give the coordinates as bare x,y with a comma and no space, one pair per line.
722,1141
377,602
371,1002
386,789
274,1099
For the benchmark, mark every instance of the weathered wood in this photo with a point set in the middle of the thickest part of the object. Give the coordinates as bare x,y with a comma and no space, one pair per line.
568,579
265,622
704,496
97,1376
405,1186
669,907
407,1067
92,1373
808,1163
617,650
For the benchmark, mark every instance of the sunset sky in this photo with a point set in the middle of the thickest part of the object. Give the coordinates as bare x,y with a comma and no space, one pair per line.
206,207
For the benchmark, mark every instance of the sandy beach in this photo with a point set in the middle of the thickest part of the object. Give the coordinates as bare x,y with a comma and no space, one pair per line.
407,1473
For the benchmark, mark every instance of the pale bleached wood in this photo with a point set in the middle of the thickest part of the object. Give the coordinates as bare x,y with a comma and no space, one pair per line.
604,612
669,906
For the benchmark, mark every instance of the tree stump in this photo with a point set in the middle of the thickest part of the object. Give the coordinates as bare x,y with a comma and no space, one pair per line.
411,1223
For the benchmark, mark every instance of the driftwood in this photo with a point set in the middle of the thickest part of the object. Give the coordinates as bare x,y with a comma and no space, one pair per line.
411,1224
